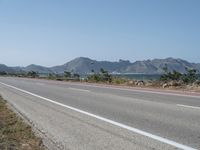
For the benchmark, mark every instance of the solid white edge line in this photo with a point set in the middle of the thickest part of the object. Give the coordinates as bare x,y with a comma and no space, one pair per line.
188,106
135,130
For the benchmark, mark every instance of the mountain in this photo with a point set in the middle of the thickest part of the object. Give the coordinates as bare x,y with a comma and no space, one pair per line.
196,66
172,64
141,67
6,68
80,64
83,65
37,68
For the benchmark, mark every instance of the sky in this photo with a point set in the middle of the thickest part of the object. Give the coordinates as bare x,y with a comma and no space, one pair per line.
52,32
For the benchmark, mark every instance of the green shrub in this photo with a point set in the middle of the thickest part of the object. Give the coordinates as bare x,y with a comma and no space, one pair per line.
32,74
102,76
189,77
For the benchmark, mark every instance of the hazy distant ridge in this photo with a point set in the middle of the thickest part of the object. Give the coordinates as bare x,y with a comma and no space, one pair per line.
84,65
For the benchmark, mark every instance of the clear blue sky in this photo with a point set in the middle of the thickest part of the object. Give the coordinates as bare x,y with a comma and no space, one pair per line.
51,32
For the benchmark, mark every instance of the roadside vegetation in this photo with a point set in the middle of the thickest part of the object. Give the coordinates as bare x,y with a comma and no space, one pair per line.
177,79
101,76
169,79
14,133
67,76
30,74
187,78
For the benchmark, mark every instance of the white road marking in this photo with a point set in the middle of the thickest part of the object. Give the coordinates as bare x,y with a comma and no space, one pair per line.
135,130
188,106
40,83
142,90
81,90
138,90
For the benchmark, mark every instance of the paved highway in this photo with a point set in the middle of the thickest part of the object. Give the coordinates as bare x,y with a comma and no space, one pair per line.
88,116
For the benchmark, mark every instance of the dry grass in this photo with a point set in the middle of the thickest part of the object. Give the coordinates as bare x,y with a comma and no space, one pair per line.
14,133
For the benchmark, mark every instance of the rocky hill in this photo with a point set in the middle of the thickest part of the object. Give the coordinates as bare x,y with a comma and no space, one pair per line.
84,65
37,68
4,68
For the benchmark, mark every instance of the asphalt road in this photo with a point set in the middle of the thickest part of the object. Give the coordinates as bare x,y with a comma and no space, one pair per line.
84,116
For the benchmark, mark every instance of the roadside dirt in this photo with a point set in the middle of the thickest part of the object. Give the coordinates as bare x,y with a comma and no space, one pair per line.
14,133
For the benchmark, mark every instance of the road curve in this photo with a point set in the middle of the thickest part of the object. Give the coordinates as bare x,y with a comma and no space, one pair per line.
99,117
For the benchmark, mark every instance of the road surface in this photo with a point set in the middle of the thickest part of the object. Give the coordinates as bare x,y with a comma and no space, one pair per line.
88,116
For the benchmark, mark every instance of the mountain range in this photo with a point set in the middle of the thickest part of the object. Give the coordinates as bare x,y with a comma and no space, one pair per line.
83,65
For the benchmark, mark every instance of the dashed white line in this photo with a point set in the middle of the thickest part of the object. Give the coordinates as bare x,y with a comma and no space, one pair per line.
137,90
188,106
81,90
135,130
39,83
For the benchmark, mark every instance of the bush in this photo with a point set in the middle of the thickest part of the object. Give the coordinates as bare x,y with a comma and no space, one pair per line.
76,76
102,76
171,76
189,77
32,74
67,74
51,76
3,73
